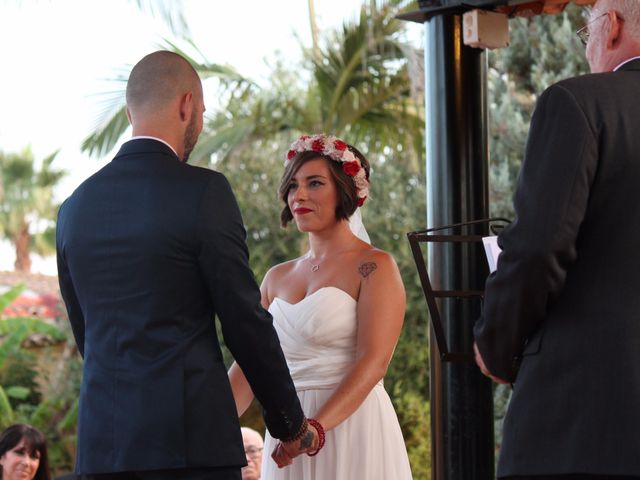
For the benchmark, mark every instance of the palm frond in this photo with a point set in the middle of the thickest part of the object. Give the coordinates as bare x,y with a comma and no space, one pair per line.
44,243
47,177
8,297
169,11
215,148
6,411
224,73
105,137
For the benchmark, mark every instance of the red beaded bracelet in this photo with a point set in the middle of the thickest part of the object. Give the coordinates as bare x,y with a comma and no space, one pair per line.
320,429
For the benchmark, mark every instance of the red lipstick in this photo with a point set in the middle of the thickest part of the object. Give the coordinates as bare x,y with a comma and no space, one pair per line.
301,211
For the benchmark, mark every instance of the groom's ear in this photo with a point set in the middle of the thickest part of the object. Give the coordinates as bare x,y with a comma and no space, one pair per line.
186,106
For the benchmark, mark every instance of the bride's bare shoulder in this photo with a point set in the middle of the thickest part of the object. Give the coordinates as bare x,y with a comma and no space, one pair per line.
372,258
279,271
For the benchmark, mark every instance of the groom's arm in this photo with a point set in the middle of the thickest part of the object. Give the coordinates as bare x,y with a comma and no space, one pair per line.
246,326
74,312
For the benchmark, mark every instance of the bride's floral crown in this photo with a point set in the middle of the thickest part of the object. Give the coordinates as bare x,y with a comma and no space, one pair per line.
338,151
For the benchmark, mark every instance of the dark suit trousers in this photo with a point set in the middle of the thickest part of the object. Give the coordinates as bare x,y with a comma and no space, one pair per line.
182,474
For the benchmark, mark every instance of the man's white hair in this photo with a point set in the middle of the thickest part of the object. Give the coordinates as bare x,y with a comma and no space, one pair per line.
256,435
629,10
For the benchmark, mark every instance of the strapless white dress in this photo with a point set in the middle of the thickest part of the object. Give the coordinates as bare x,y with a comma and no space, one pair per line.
318,338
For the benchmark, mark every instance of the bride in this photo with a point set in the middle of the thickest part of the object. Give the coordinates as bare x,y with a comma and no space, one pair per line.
338,311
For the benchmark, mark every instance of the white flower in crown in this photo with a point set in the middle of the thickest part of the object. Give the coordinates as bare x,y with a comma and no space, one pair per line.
362,184
348,156
338,151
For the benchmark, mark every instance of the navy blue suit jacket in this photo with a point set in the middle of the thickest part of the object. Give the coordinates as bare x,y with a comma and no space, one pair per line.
149,250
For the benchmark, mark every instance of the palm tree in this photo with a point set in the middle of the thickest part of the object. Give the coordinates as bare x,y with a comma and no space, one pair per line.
27,209
360,87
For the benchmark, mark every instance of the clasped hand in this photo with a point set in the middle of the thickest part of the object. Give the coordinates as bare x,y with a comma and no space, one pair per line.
483,368
285,452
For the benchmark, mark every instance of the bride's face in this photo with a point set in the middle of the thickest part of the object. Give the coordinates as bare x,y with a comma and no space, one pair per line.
313,196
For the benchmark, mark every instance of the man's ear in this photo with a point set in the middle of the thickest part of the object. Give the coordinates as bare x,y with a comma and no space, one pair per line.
615,29
128,115
186,106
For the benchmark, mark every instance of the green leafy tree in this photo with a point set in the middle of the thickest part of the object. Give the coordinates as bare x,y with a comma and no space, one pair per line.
27,395
27,208
17,366
360,88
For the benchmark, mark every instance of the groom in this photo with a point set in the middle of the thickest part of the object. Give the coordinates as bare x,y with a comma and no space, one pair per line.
149,250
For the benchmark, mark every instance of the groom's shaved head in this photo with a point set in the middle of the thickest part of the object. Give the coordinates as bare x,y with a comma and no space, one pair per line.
158,79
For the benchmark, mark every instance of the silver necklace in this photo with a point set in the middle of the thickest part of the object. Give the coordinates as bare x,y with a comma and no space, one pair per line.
314,266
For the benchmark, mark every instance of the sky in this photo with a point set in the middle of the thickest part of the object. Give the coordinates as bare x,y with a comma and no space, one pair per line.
58,55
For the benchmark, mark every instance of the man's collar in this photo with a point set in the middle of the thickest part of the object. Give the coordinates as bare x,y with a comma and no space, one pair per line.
139,137
625,63
145,145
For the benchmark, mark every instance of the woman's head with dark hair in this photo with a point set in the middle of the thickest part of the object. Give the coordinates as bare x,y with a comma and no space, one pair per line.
349,171
23,448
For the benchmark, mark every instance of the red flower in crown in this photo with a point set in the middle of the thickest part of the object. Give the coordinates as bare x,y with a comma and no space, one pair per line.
361,201
317,145
340,145
291,154
351,168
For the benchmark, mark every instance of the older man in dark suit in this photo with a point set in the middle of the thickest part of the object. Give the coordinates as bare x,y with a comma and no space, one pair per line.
149,250
561,317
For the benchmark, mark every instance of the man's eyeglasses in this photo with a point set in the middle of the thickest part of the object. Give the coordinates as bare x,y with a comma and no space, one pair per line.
253,452
583,33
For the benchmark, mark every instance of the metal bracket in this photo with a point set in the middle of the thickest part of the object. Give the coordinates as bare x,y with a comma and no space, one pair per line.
428,235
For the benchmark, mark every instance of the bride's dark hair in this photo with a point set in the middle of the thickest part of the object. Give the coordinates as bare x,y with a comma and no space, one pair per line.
347,193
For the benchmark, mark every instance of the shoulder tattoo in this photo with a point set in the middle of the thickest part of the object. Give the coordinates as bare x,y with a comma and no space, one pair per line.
367,269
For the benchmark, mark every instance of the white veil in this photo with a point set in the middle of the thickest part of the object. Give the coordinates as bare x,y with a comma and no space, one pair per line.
357,227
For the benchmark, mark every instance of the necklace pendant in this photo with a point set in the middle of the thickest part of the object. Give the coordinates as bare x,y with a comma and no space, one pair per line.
314,268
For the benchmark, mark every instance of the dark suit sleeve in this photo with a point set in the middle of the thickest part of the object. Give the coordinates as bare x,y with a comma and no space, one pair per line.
74,312
247,327
537,249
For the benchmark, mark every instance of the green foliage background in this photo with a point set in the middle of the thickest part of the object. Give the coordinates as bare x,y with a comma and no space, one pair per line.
40,386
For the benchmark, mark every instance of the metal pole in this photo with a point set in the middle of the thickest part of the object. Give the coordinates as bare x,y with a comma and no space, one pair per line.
457,191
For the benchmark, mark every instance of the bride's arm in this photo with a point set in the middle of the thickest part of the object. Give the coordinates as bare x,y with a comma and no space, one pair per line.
381,308
242,393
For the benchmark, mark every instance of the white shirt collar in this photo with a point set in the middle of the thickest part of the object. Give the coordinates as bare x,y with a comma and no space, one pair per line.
626,61
153,138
